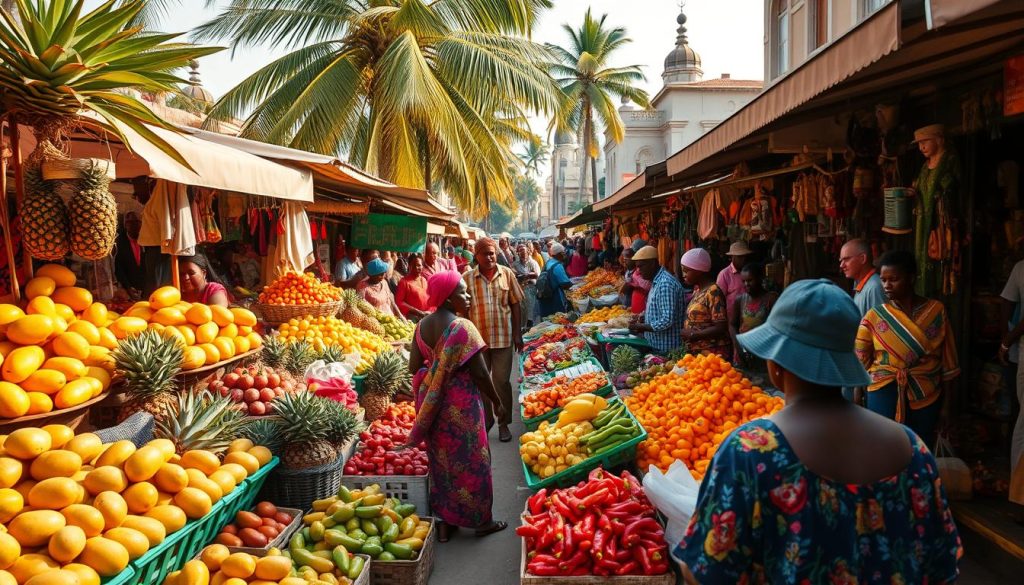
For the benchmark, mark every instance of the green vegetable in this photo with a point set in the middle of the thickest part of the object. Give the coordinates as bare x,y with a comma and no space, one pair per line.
368,512
297,541
352,524
373,549
358,534
383,523
316,531
385,556
344,513
355,568
401,551
350,543
341,558
344,494
370,528
405,510
391,534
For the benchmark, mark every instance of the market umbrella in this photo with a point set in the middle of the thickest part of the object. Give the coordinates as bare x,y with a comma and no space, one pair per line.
527,236
549,232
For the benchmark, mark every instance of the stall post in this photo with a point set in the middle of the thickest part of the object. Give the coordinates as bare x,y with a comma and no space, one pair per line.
19,191
5,222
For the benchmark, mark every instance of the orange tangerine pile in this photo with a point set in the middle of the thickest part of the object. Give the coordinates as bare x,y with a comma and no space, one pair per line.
687,416
293,288
561,390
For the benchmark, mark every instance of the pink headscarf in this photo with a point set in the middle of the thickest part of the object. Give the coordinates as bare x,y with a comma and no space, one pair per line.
440,286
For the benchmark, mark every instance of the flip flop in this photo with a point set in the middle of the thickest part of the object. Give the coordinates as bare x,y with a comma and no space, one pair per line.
496,526
445,532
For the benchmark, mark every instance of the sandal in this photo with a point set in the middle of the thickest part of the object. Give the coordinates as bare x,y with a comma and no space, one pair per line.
496,526
445,531
504,434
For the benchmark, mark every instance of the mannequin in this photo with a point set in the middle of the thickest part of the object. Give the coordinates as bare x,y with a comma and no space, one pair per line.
936,187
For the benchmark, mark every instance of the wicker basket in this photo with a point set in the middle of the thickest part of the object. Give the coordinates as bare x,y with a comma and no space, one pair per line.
415,572
297,488
411,489
278,314
64,169
137,428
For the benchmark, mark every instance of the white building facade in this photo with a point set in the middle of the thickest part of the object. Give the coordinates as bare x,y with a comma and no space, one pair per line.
684,109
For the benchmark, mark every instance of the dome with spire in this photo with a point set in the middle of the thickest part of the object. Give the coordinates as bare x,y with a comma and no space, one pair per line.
683,63
195,89
563,137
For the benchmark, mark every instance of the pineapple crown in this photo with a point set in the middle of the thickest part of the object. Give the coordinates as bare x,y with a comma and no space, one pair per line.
262,431
388,374
200,420
342,423
300,355
302,417
148,362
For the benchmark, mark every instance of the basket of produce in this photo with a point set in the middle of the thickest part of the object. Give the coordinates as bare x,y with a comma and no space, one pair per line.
603,315
217,564
260,528
636,555
551,357
603,434
296,488
323,332
277,314
546,402
367,522
294,295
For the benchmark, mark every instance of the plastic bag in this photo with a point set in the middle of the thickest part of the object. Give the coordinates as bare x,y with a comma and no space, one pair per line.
674,493
956,476
322,372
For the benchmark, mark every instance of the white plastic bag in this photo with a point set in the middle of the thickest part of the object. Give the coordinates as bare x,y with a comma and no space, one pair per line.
675,495
321,370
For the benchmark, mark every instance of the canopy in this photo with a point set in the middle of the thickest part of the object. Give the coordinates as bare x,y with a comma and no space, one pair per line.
213,165
549,232
527,236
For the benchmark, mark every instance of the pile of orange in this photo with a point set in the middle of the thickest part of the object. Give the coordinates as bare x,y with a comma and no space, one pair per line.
294,288
687,416
561,389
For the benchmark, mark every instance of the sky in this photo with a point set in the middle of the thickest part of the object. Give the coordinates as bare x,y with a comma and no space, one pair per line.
728,35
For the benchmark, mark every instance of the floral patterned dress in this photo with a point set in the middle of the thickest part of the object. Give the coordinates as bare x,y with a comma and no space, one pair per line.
450,418
706,308
763,517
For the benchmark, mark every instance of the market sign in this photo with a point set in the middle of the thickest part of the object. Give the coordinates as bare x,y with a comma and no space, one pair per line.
394,233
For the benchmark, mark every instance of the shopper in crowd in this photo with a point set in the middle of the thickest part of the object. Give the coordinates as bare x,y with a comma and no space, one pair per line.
346,268
375,289
636,287
822,491
663,316
433,262
129,269
539,254
527,270
730,279
366,256
505,254
496,311
908,348
1013,296
552,300
855,262
577,263
706,329
749,312
412,297
199,282
453,387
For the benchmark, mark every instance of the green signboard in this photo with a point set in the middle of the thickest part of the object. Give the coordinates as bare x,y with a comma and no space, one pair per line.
395,233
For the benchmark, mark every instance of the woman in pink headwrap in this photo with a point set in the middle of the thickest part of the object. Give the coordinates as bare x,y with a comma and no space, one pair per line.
706,327
450,375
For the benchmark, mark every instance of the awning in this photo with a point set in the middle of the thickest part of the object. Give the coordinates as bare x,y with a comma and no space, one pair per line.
874,38
635,184
434,229
583,216
215,166
939,13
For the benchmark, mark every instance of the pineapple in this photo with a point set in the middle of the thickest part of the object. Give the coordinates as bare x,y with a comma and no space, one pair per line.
625,359
263,431
342,424
331,354
275,352
93,216
388,374
303,423
200,420
148,363
44,217
300,355
354,314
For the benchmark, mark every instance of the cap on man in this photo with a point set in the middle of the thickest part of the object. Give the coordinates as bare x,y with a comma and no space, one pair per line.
729,280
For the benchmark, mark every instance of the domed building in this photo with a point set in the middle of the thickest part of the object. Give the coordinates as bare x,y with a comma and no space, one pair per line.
562,190
686,106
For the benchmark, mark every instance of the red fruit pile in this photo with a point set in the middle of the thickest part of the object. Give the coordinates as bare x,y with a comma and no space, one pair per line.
376,455
256,387
255,529
337,389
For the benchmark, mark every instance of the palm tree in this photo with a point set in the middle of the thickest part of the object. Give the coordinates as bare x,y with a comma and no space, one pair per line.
588,85
403,88
534,155
527,192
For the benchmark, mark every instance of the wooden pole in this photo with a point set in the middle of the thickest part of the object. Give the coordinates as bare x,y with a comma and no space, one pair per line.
19,187
5,224
175,278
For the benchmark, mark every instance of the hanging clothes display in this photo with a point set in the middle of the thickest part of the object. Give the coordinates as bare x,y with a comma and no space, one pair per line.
760,214
232,209
167,220
711,214
933,234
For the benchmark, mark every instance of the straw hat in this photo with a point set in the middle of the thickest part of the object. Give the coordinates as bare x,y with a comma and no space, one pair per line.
929,132
739,248
646,253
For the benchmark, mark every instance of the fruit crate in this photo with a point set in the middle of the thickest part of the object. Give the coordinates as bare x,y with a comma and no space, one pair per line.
170,555
121,578
358,383
522,371
411,489
669,578
532,423
280,541
591,364
414,572
362,579
623,454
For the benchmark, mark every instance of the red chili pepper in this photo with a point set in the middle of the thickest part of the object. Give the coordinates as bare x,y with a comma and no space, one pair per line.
628,568
650,544
562,508
574,561
589,526
567,538
528,531
626,509
598,497
640,555
597,547
603,523
596,473
631,534
618,527
623,555
543,570
581,571
584,544
536,502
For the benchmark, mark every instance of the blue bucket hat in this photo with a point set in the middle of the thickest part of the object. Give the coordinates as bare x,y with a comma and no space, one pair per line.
811,332
376,267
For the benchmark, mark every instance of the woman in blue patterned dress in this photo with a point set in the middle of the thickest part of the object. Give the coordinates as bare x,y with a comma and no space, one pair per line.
823,491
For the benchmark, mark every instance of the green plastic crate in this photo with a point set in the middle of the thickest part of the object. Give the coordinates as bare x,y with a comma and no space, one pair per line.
121,578
358,384
522,371
533,423
621,455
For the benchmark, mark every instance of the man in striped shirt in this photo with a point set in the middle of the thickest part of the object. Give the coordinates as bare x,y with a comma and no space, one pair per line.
663,318
495,297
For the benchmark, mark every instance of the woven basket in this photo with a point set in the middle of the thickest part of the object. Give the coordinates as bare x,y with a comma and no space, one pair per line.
297,488
74,168
281,313
137,428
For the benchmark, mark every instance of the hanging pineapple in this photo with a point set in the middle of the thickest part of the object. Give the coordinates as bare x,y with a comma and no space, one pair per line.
44,217
93,214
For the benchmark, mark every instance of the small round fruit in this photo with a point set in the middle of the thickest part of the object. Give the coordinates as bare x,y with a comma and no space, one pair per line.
107,557
214,555
141,497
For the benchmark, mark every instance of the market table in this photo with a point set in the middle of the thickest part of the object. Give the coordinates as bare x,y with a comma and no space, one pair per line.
604,341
